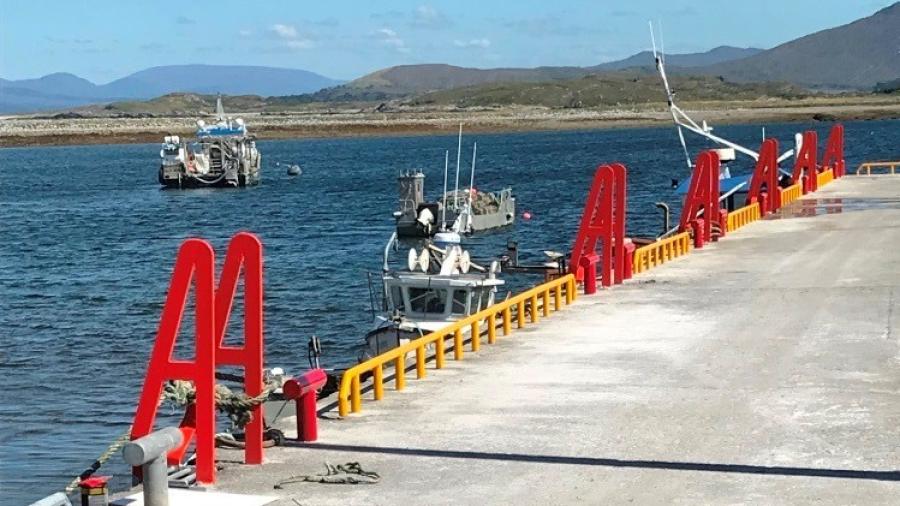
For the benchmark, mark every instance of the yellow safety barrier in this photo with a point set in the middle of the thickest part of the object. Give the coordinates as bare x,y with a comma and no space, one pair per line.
868,166
350,392
660,252
791,194
743,216
823,178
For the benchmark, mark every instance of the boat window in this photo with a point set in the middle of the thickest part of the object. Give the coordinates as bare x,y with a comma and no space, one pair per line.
427,300
396,297
460,302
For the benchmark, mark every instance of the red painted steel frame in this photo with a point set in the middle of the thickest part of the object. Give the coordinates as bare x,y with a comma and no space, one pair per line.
805,167
244,250
603,220
834,152
196,259
195,262
766,174
703,194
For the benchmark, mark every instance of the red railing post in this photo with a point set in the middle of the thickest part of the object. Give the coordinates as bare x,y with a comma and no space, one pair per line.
195,262
703,194
834,152
765,178
603,220
805,168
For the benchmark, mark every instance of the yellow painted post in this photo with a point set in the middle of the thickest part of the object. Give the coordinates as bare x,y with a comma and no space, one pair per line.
534,308
439,352
378,382
492,328
355,401
400,372
573,289
557,297
520,314
457,345
343,406
507,321
420,362
546,302
476,336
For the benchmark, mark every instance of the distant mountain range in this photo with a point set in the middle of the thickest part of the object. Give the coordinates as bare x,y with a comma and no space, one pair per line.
404,80
858,55
862,55
62,90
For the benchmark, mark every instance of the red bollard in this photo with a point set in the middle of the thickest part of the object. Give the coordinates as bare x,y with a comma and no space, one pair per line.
763,204
629,259
589,264
303,390
697,226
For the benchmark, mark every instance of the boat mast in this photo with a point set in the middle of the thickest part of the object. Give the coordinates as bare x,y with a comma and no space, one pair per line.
458,156
444,205
472,177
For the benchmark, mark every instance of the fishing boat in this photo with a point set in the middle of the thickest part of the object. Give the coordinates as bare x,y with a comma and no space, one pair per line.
733,188
438,287
462,211
224,154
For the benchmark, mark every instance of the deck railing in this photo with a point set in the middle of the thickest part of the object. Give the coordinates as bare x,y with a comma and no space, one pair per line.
743,216
791,193
660,252
825,177
868,166
538,300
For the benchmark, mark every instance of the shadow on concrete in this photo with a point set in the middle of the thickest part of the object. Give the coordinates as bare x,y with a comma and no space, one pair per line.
616,463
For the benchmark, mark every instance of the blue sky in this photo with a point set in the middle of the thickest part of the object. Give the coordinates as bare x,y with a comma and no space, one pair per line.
105,40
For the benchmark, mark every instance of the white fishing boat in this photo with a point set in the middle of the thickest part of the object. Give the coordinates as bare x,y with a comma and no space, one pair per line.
224,154
438,287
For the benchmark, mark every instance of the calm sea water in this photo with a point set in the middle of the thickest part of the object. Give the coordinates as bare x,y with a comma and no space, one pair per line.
89,239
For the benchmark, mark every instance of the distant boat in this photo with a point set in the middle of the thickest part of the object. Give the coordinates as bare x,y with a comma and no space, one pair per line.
223,155
462,211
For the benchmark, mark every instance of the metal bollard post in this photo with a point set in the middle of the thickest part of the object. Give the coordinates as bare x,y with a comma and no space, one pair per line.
149,452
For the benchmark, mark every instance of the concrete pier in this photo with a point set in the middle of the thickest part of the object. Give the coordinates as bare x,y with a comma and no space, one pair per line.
762,369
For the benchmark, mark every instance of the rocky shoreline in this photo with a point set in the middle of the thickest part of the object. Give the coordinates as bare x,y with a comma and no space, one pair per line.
70,130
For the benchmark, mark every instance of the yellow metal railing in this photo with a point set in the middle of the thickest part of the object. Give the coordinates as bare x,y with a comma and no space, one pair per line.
538,300
823,178
743,216
791,194
868,166
660,252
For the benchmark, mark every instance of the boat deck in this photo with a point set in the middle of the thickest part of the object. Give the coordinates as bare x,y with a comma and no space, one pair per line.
761,369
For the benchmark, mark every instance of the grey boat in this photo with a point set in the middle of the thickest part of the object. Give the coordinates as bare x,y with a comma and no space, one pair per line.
463,211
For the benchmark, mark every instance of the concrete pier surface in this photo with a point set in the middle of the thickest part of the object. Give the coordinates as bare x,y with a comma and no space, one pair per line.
762,369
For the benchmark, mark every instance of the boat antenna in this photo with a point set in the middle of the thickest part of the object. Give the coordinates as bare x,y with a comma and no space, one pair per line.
220,111
660,58
472,177
444,206
458,155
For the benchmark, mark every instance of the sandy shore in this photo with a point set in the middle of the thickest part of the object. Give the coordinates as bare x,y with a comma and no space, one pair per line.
33,131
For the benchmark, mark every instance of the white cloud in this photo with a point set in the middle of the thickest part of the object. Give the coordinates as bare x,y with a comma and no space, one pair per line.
245,33
290,37
482,43
284,31
390,38
426,16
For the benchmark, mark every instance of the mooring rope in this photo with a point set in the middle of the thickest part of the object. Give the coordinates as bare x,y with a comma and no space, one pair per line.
350,473
238,407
